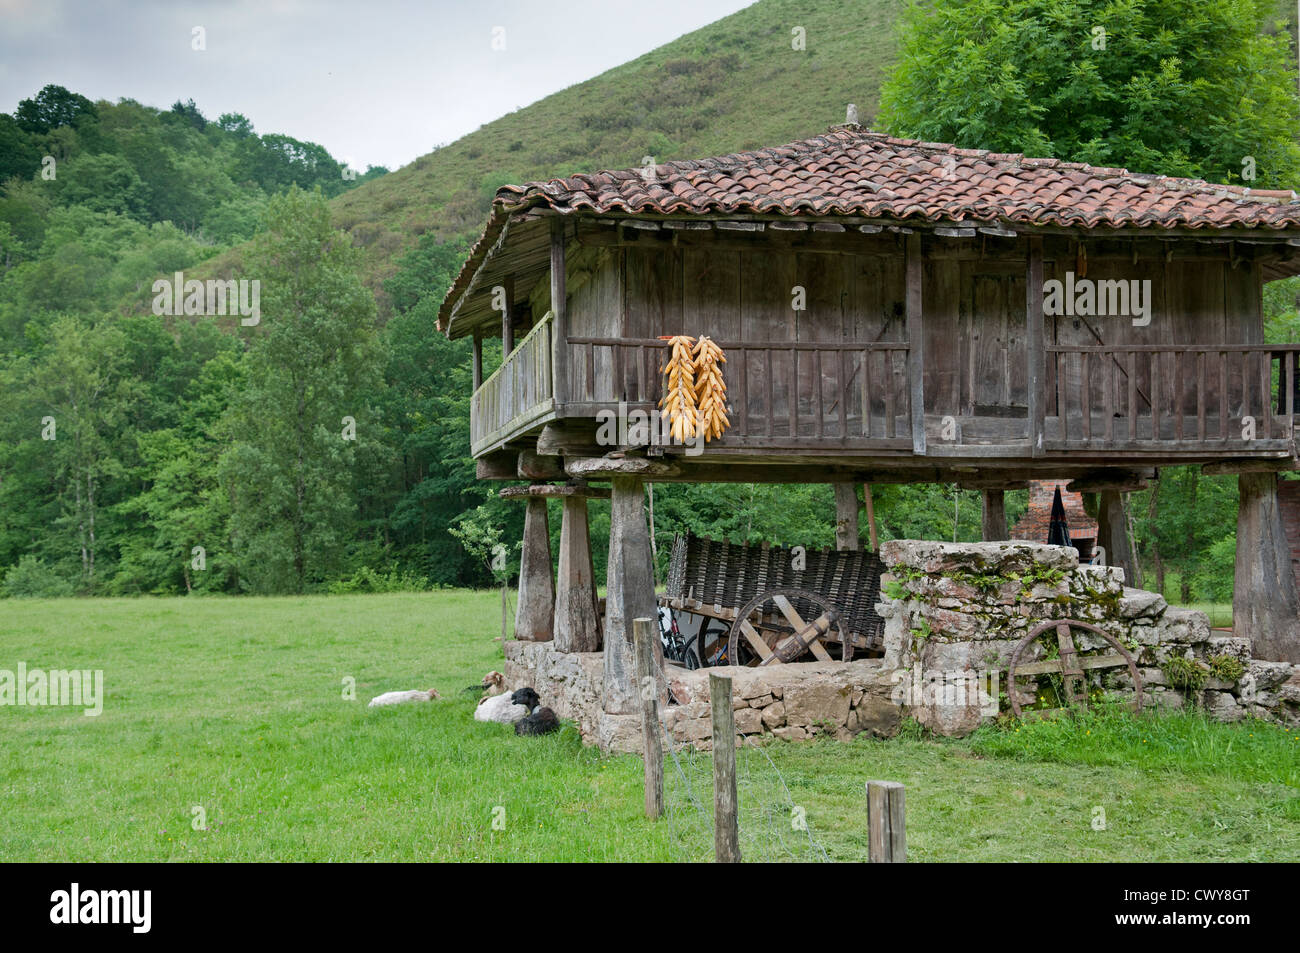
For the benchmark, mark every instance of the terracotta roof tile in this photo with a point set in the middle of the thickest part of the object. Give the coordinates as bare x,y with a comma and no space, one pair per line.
852,171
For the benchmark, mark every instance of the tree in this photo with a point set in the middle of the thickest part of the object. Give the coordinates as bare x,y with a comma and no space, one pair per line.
289,474
1179,87
53,107
18,153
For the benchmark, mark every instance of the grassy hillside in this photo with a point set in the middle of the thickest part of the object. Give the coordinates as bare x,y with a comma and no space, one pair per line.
735,84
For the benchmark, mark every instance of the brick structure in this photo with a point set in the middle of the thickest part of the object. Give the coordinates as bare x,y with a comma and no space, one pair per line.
1034,524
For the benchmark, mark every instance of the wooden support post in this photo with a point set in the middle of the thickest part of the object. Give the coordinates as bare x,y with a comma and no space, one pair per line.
647,679
1035,350
535,612
630,591
478,359
886,822
915,272
576,627
560,323
508,320
994,521
871,516
1265,608
846,517
1112,534
726,823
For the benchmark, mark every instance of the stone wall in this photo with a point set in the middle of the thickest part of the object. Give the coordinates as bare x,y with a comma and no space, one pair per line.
955,611
786,701
953,615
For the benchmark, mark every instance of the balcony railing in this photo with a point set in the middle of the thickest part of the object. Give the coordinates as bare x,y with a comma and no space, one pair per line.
807,395
518,394
1171,397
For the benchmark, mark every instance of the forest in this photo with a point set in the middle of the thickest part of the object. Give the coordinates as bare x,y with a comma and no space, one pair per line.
326,448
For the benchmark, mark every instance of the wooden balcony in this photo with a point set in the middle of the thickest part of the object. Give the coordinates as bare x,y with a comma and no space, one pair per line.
1195,398
1155,402
519,395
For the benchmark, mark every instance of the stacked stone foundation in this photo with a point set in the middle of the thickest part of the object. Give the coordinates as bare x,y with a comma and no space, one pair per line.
954,613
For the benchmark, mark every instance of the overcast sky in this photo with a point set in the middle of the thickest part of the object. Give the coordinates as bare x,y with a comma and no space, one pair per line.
376,82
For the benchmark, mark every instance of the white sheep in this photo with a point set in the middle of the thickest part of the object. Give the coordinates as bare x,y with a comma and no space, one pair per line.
507,709
398,698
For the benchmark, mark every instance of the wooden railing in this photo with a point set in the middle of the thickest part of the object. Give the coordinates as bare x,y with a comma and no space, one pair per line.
780,393
517,394
1158,397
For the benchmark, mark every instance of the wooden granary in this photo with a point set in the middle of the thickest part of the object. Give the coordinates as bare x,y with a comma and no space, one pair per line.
891,310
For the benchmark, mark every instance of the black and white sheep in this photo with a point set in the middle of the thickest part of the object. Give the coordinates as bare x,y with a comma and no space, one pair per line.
540,722
507,709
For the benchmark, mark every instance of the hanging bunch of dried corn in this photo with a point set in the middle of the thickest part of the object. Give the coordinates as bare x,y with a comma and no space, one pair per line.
710,388
678,401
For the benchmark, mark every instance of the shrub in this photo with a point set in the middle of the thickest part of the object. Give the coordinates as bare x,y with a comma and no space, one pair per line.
29,578
366,579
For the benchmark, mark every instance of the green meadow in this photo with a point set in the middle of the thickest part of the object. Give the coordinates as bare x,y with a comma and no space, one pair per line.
237,708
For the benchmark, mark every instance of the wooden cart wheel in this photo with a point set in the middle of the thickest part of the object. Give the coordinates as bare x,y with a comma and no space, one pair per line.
1071,665
780,633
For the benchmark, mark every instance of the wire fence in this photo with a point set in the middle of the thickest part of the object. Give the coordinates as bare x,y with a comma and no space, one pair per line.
772,826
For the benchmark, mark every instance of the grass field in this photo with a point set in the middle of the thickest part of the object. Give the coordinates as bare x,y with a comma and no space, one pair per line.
235,706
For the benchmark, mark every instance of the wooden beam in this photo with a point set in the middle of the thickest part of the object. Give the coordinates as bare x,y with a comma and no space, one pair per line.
508,319
1250,466
1035,353
1123,481
478,359
500,465
532,466
915,272
560,323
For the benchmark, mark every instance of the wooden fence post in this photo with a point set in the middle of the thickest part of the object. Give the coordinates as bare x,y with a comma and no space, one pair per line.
887,823
648,685
726,832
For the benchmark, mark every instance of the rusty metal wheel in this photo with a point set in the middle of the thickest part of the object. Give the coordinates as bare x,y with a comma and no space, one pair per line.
780,634
1071,665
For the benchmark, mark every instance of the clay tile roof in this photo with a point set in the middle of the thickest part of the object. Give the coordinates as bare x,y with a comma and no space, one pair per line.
853,171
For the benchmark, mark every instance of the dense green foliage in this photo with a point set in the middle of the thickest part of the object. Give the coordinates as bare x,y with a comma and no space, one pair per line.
156,453
1180,87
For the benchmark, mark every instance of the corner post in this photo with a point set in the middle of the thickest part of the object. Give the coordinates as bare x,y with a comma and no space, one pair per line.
478,359
560,322
916,339
1035,353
